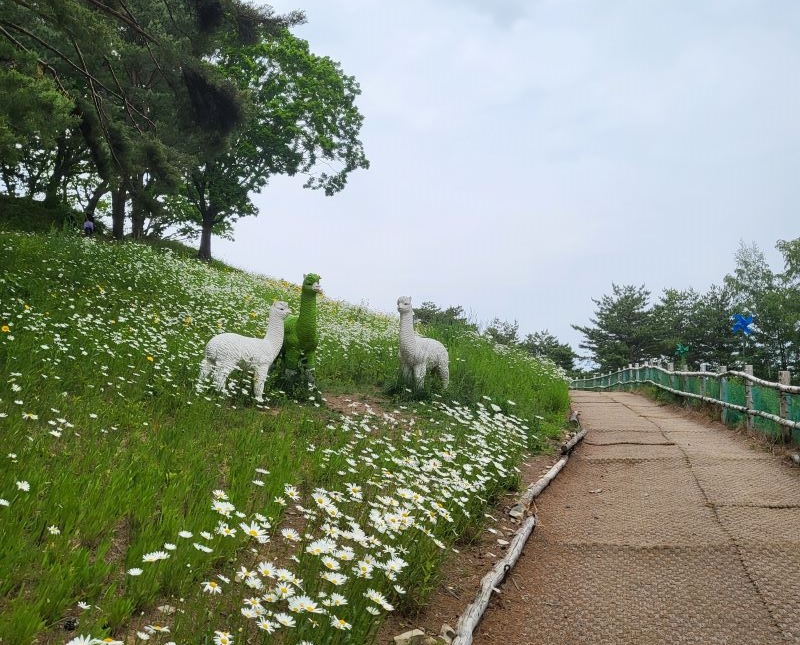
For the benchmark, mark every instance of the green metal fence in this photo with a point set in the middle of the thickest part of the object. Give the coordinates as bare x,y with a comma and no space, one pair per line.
770,408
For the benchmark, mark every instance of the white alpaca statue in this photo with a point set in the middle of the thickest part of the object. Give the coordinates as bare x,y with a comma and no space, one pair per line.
418,355
225,352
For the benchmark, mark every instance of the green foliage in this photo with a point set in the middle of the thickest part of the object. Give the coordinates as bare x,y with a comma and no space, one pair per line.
179,110
622,330
772,299
135,82
503,332
32,110
544,345
23,214
110,453
627,330
428,313
302,119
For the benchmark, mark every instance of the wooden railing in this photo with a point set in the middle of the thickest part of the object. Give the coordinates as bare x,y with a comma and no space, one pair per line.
766,406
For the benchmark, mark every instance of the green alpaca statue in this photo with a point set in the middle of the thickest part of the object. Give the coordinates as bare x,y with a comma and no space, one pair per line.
300,332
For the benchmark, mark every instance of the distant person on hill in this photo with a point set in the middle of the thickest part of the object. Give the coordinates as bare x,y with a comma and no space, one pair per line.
88,226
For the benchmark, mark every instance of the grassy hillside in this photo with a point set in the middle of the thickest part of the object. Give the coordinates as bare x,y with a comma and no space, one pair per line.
131,504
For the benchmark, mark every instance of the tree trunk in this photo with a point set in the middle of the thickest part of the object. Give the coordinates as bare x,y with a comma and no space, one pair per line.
101,190
59,168
138,215
118,197
10,182
138,208
209,214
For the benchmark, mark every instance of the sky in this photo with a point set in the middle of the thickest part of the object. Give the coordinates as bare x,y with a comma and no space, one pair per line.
528,154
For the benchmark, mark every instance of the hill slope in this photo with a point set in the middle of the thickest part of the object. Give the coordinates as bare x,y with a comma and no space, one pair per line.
123,490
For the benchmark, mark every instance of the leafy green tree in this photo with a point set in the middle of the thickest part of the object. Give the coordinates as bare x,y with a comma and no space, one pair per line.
429,314
672,318
790,249
545,344
709,332
622,329
503,332
33,115
141,81
757,289
303,120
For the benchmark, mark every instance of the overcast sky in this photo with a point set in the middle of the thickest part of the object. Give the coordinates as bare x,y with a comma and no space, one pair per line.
525,155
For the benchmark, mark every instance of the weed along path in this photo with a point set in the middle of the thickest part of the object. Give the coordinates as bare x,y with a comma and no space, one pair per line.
660,529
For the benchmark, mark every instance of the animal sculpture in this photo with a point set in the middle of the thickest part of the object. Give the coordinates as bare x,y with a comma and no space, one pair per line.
227,352
419,355
300,331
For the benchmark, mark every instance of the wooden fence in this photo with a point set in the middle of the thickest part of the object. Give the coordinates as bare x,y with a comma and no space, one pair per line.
768,407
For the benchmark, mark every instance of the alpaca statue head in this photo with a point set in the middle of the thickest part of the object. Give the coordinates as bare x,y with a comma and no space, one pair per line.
404,304
279,310
311,283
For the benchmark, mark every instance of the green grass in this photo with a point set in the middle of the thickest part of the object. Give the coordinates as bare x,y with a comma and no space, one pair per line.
24,214
110,455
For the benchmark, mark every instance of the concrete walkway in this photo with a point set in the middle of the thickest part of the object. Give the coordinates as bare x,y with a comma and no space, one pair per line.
659,530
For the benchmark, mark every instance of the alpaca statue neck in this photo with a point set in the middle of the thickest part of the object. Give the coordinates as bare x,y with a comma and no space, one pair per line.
274,329
307,316
408,338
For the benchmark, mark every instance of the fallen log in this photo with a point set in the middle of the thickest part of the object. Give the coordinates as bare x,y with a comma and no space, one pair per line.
521,507
474,612
569,445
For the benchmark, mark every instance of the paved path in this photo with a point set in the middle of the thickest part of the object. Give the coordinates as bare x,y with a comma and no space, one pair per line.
659,530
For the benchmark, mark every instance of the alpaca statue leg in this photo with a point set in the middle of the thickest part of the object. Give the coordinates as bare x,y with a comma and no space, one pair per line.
419,375
206,368
221,376
306,366
444,372
259,378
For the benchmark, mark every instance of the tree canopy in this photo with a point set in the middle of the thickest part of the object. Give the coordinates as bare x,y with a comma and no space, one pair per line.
622,329
178,110
302,120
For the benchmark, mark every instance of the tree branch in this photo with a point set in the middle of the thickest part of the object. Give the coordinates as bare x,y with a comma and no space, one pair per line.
41,62
70,62
126,103
129,20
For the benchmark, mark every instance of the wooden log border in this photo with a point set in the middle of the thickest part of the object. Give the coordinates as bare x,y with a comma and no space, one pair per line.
474,612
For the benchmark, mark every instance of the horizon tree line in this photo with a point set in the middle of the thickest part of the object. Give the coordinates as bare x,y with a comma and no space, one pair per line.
628,326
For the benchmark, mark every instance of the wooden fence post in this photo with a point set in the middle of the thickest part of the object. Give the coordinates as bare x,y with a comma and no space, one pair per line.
703,380
723,393
784,378
748,396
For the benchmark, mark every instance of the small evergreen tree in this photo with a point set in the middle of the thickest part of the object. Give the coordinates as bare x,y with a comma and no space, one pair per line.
622,330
